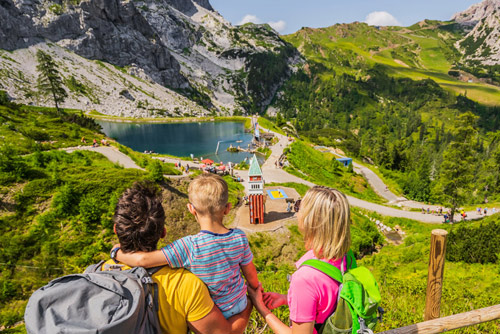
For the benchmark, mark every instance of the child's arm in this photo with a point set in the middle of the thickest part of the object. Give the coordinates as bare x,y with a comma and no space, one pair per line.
250,274
142,259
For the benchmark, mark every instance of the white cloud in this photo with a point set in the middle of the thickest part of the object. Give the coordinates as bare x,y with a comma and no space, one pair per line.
250,18
279,26
381,19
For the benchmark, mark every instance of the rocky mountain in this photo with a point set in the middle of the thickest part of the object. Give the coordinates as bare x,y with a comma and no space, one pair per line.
477,12
178,50
482,43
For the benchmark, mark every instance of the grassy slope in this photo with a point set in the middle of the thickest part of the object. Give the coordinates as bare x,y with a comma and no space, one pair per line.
312,165
30,128
401,272
268,125
417,52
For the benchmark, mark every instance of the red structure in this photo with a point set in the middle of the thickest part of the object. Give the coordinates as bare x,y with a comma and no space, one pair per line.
256,193
256,203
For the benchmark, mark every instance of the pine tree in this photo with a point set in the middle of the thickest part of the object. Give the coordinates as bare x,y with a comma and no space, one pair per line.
49,79
457,172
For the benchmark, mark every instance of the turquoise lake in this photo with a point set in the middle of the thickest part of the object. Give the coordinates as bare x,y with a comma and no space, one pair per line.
183,139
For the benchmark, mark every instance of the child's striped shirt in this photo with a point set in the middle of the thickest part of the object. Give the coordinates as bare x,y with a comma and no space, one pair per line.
215,259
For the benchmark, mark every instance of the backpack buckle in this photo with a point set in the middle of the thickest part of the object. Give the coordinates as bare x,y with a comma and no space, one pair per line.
147,280
363,329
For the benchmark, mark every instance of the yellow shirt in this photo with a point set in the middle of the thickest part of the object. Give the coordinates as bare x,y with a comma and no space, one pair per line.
182,297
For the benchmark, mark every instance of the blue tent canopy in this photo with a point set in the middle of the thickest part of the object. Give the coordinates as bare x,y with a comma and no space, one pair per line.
345,161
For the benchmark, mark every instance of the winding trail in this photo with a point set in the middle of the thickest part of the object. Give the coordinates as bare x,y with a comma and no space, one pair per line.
115,156
277,175
109,152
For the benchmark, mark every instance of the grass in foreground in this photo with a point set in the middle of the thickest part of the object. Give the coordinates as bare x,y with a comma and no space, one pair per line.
401,272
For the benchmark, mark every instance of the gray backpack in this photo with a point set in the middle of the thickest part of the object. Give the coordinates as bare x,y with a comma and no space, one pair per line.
96,302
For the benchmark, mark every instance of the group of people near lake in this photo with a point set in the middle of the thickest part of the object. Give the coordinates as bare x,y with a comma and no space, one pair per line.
104,142
182,168
202,284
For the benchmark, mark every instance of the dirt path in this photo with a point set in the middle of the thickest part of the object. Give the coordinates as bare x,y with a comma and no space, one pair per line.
373,179
109,152
115,156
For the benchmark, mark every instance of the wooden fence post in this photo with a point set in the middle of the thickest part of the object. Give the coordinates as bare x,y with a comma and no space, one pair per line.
435,276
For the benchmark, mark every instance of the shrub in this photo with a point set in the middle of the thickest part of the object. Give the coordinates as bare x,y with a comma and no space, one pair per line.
35,134
475,244
4,98
65,202
11,165
155,169
90,210
56,9
8,289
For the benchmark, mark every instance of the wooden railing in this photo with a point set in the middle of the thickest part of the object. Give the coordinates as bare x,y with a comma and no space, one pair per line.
434,324
451,322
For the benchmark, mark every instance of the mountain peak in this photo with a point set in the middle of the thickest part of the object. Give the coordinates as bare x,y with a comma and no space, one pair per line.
188,6
477,12
482,42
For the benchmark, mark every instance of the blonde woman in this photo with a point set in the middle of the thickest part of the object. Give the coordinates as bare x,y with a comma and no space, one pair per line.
324,220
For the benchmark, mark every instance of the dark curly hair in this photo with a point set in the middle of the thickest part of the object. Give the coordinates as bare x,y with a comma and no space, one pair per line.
139,218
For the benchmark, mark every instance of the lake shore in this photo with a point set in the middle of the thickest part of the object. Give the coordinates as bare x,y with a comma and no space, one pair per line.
118,119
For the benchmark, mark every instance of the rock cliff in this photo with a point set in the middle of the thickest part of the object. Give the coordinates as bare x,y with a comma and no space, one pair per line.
482,43
178,44
477,12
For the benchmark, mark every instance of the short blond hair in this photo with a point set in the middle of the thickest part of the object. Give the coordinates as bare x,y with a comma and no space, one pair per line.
326,220
208,193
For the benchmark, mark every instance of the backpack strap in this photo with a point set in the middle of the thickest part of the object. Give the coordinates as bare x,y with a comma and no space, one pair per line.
331,270
154,270
325,268
154,286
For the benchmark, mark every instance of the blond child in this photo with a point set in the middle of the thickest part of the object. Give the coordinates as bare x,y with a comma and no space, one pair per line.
216,254
324,220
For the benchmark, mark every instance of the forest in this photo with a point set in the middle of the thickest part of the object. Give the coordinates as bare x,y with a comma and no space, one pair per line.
416,132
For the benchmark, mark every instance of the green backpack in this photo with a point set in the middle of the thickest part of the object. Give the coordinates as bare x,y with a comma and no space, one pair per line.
357,307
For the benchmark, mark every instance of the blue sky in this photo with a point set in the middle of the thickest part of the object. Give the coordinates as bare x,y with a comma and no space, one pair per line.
288,16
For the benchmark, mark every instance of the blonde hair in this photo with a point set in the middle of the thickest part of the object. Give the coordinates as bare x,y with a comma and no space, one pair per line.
326,220
208,193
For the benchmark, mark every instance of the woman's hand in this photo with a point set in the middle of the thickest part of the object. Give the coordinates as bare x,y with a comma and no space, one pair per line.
273,300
